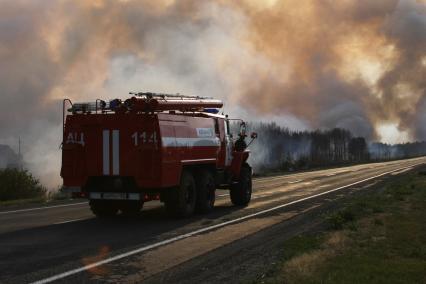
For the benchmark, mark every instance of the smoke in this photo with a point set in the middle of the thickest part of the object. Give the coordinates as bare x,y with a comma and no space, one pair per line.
317,64
353,64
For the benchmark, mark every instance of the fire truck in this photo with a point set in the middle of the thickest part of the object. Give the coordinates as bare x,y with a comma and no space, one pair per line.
176,149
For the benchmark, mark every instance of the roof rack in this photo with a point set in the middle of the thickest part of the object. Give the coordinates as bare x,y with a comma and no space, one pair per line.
150,95
148,102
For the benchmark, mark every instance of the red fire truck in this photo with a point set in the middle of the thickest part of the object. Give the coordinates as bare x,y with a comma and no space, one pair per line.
120,154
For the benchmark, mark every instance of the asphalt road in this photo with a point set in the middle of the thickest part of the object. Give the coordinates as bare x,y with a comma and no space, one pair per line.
66,243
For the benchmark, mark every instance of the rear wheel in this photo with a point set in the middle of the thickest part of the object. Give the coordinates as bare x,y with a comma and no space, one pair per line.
180,202
206,188
131,208
241,191
103,208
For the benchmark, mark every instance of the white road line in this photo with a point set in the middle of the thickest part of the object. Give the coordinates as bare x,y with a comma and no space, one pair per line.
40,208
222,195
400,172
202,230
283,176
260,196
69,221
324,185
295,181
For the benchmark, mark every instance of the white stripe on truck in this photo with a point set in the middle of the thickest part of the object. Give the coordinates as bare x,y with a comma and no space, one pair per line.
116,152
105,151
189,142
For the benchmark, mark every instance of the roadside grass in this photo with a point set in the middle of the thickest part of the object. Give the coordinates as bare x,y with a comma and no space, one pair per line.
375,237
45,199
17,202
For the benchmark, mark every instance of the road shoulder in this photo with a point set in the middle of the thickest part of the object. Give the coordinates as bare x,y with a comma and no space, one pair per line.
262,256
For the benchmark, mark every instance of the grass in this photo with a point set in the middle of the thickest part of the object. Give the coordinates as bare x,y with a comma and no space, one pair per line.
17,202
293,248
45,199
376,237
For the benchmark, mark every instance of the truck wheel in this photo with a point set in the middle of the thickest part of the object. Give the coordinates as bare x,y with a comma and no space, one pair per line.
131,208
103,208
241,191
181,201
206,188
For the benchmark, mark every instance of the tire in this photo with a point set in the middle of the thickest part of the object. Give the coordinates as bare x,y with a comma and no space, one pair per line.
131,208
103,208
180,202
241,191
206,188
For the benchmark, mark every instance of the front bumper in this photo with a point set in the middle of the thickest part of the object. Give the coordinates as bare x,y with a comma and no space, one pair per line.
115,196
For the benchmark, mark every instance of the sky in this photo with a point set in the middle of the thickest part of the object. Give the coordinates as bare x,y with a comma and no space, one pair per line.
306,64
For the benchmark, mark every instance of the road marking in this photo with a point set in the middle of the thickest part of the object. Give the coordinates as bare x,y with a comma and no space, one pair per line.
203,230
222,195
69,221
400,172
40,208
282,176
295,181
324,185
260,196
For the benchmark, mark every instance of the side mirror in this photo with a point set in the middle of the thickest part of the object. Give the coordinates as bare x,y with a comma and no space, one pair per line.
242,129
253,135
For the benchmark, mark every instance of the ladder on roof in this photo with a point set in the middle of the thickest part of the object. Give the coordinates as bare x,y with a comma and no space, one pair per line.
150,95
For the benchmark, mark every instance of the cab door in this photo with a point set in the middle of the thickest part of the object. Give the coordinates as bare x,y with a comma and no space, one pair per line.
228,144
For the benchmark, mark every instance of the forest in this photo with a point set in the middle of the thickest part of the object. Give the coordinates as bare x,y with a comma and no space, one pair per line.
278,148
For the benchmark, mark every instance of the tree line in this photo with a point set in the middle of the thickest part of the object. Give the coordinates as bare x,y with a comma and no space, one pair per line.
283,149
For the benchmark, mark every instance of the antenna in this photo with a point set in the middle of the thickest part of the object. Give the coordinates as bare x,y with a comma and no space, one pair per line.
19,153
